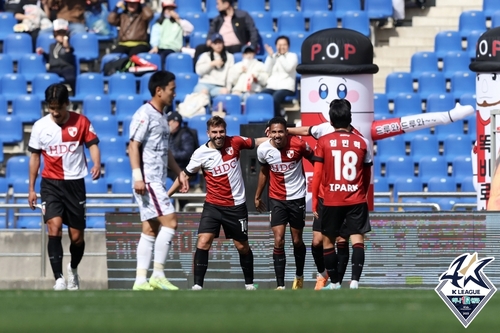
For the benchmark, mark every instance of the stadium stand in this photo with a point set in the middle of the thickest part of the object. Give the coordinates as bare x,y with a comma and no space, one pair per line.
30,65
358,21
432,166
446,41
340,8
231,104
279,6
398,82
471,20
17,44
323,20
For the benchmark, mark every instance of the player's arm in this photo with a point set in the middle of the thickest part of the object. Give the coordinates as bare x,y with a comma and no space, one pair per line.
33,173
302,130
95,155
259,141
182,178
135,163
318,173
191,170
367,177
263,177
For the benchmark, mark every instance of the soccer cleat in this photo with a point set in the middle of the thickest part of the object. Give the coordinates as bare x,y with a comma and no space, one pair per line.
331,286
73,279
196,287
251,286
162,283
354,284
60,284
320,282
298,283
281,288
142,287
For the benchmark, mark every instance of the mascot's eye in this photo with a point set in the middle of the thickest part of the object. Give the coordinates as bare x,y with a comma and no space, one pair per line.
342,91
323,91
494,77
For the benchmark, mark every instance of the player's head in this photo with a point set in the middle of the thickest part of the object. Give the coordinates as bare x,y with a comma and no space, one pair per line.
57,99
278,131
340,113
216,131
162,86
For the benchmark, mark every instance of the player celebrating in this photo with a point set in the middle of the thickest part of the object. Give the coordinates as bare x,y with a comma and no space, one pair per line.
346,160
281,164
150,159
219,159
59,137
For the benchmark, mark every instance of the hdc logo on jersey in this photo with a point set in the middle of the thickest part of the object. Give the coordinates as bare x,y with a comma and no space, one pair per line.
72,131
465,288
290,153
283,167
230,150
224,168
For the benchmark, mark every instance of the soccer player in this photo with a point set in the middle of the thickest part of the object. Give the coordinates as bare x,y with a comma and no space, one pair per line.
59,137
219,159
342,168
150,158
281,164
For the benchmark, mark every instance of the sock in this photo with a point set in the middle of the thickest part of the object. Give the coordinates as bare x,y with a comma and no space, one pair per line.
279,260
343,255
55,251
246,262
317,253
162,246
299,252
144,254
76,251
358,260
331,264
200,266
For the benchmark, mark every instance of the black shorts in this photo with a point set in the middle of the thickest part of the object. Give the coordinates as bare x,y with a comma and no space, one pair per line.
288,211
317,221
345,220
65,199
234,220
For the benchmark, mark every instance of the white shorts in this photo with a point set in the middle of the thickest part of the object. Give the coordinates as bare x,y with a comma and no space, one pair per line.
155,202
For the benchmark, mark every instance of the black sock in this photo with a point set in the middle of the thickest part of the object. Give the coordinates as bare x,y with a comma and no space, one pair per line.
200,266
331,264
343,255
76,251
246,262
279,260
317,253
358,260
299,252
55,250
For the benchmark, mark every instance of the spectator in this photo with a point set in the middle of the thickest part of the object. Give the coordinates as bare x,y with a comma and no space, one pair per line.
213,68
133,23
282,75
32,19
248,76
60,55
181,142
236,27
167,34
398,7
69,10
96,18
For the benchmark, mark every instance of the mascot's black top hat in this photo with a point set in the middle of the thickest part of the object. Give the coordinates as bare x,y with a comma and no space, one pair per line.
337,51
487,52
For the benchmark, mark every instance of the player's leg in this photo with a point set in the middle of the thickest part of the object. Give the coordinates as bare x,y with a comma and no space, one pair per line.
329,224
358,259
317,250
343,255
297,215
279,218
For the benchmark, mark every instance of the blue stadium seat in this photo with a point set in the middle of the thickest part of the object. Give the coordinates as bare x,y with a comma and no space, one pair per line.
186,6
377,169
380,104
1,159
469,99
117,167
432,166
380,184
179,63
4,111
126,105
399,166
12,129
95,186
44,40
472,39
88,84
423,145
258,106
238,56
456,145
471,20
495,19
41,82
412,200
263,21
423,62
446,204
197,38
380,200
441,184
471,123
108,58
233,124
446,41
199,123
122,185
408,136
17,167
291,22
86,46
7,22
126,127
121,84
407,104
342,7
378,9
323,20
279,6
104,125
153,58
185,83
269,38
442,131
230,103
296,40
211,8
461,167
143,86
431,83
309,7
398,82
393,146
96,105
112,146
13,85
17,44
198,19
358,21
463,83
455,62
155,18
30,65
252,5
21,184
6,64
439,102
490,7
467,184
27,108
407,184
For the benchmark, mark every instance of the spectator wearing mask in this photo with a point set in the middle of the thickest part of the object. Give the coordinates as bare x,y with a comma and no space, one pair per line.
213,68
71,11
248,76
96,18
133,22
167,34
281,67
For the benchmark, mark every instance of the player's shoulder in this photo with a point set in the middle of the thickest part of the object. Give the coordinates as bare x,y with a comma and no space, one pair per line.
144,110
42,121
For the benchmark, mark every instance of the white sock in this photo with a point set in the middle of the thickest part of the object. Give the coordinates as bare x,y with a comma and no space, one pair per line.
144,254
162,246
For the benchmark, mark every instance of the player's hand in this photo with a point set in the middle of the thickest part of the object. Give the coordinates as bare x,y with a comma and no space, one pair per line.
32,199
267,132
316,215
140,187
95,172
184,180
259,205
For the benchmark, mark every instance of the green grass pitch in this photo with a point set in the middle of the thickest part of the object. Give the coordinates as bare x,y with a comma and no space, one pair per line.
351,311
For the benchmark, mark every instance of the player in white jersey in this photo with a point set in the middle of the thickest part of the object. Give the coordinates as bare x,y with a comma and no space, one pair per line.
281,164
59,137
219,159
150,159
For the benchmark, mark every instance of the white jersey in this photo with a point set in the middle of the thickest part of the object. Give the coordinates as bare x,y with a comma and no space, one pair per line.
150,127
318,131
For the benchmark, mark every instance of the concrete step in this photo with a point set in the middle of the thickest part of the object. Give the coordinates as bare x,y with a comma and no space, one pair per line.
444,12
459,3
435,22
422,41
391,62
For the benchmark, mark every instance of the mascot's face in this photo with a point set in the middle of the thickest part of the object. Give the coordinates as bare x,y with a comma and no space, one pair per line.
487,93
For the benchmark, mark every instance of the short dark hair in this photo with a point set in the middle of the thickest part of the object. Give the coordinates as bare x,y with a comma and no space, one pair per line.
159,79
340,113
216,121
231,2
57,93
282,37
277,120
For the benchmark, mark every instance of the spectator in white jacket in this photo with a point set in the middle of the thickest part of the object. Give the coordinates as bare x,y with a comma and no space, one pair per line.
213,68
281,67
248,76
167,34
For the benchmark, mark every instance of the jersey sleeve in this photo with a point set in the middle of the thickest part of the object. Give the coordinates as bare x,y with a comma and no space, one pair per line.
139,126
318,152
89,135
369,154
195,163
34,145
261,155
242,142
305,150
317,131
